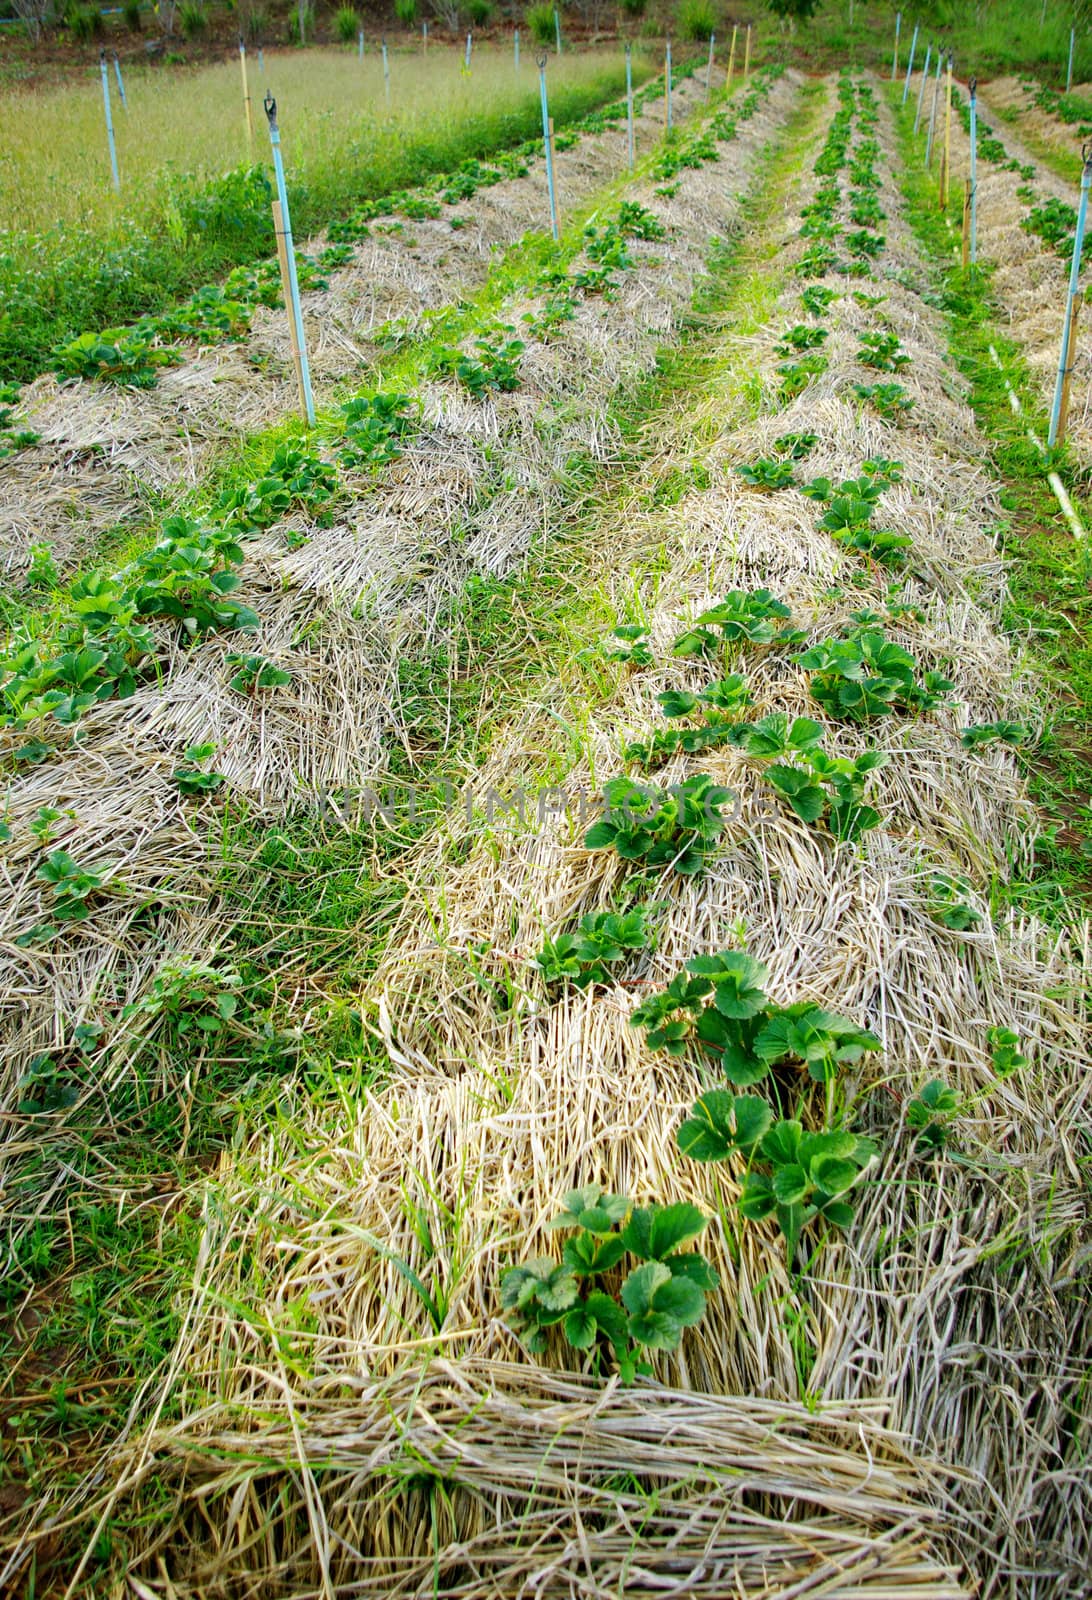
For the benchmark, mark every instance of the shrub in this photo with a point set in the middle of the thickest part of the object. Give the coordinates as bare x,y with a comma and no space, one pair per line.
346,24
406,12
540,20
634,8
479,12
695,19
192,19
131,13
84,23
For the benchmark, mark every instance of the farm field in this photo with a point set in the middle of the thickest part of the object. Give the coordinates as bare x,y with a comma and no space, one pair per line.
192,204
544,961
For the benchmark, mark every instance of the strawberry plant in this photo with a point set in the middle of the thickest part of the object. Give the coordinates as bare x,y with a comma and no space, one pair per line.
796,445
890,399
113,356
496,365
637,222
883,351
796,376
191,778
295,477
596,280
766,474
982,733
866,675
659,1297
373,426
795,1176
585,957
816,299
930,1114
607,246
863,243
718,705
1005,1054
678,827
73,886
185,578
949,905
630,643
719,1006
742,617
254,673
801,337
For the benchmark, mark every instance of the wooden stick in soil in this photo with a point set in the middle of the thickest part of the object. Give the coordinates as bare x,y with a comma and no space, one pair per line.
731,59
747,56
1063,411
282,257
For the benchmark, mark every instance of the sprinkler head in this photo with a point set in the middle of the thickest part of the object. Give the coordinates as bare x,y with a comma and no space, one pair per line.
270,109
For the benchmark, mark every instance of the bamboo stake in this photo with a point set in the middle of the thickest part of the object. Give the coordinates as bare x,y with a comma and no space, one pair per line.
246,104
286,290
1071,345
933,113
947,170
747,56
731,59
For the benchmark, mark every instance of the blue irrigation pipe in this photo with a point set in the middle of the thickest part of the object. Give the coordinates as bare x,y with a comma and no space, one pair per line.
121,82
547,140
109,121
294,310
974,171
630,142
921,91
1074,284
910,64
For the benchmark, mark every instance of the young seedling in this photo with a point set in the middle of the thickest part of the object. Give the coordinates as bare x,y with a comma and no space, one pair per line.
890,399
742,617
254,673
191,778
603,939
767,474
796,445
983,733
678,827
660,1296
883,351
630,643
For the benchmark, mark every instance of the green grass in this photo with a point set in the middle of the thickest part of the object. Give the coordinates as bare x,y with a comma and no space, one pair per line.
1050,573
189,211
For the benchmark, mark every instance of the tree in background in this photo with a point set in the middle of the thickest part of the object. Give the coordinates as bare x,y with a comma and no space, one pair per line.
797,10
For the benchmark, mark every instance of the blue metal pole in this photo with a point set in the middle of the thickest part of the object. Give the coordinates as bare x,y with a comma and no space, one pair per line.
360,44
974,171
921,91
386,73
557,28
1069,69
547,140
1074,280
910,64
261,59
469,47
109,121
933,113
294,310
631,143
895,57
709,65
121,85
515,49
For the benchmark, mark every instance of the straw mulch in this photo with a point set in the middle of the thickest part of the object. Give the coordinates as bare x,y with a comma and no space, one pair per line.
910,1417
98,441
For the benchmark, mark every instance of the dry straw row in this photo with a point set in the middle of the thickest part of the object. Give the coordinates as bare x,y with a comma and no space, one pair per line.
332,1441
